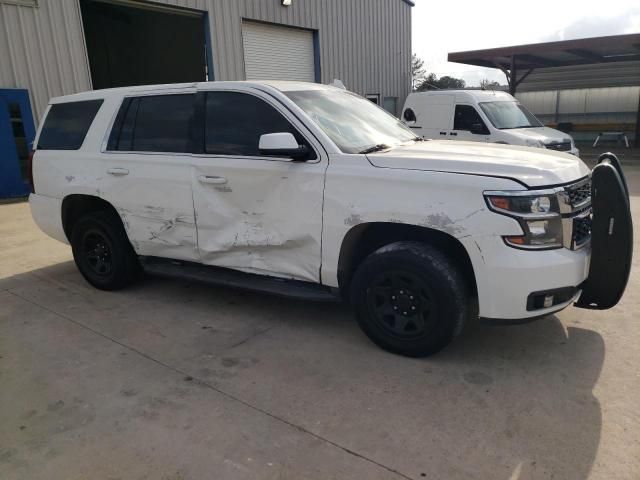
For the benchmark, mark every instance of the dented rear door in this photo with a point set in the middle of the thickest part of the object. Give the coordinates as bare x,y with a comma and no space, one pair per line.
146,173
254,213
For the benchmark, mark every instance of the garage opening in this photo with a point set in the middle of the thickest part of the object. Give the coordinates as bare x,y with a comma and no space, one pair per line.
136,43
274,52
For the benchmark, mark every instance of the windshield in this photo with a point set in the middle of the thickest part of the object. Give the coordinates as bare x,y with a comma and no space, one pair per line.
352,122
505,115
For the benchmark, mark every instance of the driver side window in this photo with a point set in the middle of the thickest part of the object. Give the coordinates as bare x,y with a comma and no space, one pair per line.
234,123
465,117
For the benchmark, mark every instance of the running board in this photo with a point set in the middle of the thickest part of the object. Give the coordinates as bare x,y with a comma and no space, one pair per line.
236,279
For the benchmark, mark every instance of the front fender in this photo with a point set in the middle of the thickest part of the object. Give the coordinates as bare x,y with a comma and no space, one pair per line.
446,202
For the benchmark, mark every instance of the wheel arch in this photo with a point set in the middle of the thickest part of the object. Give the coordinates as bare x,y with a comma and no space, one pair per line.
75,206
365,238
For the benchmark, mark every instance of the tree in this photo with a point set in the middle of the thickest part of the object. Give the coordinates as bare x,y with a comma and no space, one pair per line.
487,84
417,71
432,82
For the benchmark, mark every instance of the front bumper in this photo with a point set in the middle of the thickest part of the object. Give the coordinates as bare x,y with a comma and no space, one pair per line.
506,276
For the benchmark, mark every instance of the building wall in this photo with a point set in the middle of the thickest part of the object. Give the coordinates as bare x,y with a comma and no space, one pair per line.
616,107
621,74
42,49
364,43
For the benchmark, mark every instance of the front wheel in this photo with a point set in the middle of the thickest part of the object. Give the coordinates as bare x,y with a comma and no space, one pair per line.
410,298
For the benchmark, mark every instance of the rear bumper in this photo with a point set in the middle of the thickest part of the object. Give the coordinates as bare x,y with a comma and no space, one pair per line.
507,277
47,213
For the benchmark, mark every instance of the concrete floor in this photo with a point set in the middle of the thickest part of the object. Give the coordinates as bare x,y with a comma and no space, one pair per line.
174,380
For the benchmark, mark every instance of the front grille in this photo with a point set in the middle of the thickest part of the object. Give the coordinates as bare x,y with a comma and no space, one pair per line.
581,231
559,146
575,207
579,194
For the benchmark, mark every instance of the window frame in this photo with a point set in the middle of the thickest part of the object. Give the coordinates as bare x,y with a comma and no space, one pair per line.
484,122
277,105
99,101
117,121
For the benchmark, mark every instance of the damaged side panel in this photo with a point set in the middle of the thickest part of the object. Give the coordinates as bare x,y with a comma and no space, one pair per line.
155,204
449,203
266,218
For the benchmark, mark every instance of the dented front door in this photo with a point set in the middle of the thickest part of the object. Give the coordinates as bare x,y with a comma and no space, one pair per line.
254,213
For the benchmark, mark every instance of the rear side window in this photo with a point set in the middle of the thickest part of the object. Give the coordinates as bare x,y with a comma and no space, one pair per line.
159,123
67,124
235,121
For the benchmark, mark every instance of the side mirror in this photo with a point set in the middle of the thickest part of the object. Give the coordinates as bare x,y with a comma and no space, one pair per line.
282,145
478,129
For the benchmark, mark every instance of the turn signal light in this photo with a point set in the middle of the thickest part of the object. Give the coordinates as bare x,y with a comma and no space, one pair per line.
500,202
516,240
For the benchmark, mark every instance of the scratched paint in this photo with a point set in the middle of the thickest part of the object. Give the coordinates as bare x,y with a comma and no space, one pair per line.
268,219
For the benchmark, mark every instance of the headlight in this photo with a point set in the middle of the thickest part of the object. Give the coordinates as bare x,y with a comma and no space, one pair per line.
538,213
534,143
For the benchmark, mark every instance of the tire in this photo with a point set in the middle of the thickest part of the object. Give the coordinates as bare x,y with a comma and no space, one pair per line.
410,299
102,251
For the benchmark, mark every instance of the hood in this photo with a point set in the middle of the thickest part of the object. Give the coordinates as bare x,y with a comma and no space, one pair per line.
535,167
543,134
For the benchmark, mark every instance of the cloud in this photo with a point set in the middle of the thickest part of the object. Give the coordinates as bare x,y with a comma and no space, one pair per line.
586,27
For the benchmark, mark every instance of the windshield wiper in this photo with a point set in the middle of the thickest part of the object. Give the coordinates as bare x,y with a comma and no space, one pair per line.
375,148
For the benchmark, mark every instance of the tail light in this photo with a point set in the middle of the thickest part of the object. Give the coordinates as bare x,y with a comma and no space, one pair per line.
30,170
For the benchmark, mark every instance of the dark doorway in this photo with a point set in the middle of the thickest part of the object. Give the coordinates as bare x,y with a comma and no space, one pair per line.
143,45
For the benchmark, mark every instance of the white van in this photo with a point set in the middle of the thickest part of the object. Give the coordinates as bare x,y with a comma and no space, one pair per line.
480,116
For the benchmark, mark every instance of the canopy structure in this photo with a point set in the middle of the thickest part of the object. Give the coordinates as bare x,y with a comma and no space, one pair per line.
517,62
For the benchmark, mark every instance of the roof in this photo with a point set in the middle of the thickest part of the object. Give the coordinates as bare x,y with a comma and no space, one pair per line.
282,85
479,95
615,48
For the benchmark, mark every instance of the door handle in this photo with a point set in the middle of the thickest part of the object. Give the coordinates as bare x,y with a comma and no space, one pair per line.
455,134
118,171
212,180
443,133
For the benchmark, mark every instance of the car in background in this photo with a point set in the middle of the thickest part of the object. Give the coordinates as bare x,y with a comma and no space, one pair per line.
480,116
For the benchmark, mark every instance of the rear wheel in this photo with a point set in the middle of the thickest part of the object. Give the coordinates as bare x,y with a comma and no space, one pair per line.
102,251
410,298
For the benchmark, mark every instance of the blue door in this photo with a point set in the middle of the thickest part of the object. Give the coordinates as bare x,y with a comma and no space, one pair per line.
16,137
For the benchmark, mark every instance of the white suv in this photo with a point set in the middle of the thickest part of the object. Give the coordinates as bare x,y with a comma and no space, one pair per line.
311,191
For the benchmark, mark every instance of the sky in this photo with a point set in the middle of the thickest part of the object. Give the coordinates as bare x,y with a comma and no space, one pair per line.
440,27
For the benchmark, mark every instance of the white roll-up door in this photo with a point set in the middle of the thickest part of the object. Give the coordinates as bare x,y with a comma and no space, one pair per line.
277,53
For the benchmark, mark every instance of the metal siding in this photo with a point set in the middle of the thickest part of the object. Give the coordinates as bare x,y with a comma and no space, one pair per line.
583,76
584,106
42,50
276,52
365,43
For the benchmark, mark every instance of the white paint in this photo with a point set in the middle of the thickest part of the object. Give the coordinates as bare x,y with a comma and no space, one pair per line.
289,219
277,141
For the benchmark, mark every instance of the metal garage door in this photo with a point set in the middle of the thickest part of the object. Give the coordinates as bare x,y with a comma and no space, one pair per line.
277,53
